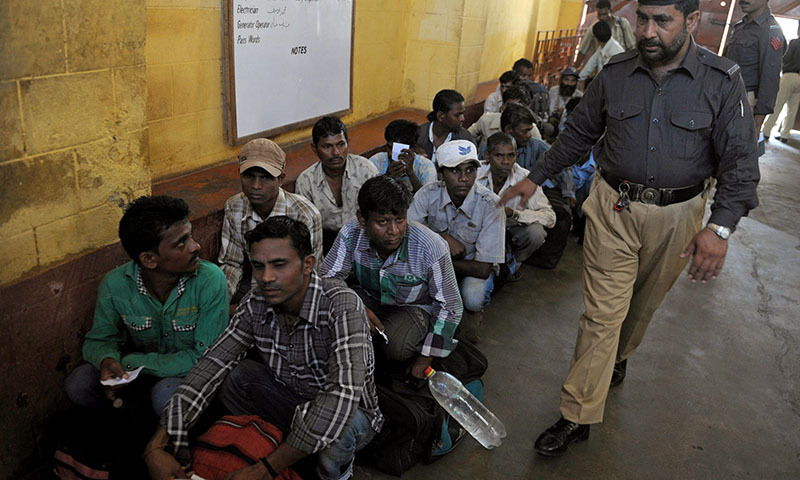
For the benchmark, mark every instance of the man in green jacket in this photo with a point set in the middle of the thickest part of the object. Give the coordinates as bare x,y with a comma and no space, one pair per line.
159,311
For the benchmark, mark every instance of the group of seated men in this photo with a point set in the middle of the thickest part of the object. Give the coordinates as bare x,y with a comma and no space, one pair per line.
409,245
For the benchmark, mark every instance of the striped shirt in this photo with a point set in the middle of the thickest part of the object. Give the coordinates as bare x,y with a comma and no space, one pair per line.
326,359
418,273
241,217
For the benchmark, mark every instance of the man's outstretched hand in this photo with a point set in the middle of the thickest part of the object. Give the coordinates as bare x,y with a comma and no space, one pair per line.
709,255
524,189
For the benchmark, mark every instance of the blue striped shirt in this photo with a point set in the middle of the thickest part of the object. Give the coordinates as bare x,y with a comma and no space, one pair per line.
418,273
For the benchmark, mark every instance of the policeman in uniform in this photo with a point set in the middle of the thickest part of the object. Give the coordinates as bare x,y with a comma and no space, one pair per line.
674,114
757,45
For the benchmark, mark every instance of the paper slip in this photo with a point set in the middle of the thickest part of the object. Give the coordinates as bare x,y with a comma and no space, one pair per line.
197,477
397,149
112,382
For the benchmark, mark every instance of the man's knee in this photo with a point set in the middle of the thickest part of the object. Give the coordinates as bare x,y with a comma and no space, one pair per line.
83,386
407,328
163,391
336,461
474,294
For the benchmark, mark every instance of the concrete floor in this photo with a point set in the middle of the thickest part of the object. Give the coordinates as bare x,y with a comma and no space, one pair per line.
713,391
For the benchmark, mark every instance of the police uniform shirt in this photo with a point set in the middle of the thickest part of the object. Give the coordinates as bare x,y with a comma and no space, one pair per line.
757,46
694,124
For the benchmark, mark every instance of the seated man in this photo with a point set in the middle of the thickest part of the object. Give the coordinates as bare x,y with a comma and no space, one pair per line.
333,182
608,48
166,306
489,123
261,171
525,224
566,89
314,374
410,168
467,217
495,99
404,272
540,98
445,123
518,122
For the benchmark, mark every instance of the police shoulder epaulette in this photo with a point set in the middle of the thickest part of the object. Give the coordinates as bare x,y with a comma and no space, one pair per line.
621,57
725,65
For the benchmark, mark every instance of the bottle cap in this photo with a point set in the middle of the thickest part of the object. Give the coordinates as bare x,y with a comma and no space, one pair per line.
429,371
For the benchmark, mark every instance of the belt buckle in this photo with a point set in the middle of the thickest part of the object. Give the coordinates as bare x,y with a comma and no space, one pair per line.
650,196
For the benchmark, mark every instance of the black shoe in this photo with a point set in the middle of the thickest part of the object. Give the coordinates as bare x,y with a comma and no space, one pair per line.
555,440
619,373
783,139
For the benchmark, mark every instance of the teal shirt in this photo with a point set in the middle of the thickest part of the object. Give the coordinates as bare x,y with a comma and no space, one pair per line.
167,339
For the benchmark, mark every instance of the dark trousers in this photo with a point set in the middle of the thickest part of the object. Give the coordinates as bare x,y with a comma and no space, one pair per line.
548,255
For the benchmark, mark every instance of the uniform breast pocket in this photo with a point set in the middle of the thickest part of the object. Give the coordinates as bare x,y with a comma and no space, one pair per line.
745,53
468,233
691,135
622,122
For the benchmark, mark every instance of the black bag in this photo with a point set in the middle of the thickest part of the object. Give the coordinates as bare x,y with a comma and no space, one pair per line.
101,443
417,429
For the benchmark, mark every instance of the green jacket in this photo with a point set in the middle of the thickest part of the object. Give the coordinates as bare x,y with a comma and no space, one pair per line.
135,329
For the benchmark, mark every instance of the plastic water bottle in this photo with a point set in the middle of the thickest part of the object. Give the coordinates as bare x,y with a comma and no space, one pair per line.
478,420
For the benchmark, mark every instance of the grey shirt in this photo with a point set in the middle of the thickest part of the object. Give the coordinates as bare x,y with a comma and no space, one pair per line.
695,124
757,45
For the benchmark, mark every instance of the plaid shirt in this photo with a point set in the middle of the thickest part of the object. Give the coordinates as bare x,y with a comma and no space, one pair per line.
327,359
311,183
240,218
418,273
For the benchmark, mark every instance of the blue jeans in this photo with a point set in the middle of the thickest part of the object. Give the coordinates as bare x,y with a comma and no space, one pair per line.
476,292
83,388
251,389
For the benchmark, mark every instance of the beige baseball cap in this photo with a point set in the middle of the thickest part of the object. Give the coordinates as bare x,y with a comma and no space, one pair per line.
456,152
264,153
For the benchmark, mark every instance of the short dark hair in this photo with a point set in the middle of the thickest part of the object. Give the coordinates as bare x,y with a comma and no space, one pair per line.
444,101
687,6
327,126
402,131
144,221
509,77
522,63
499,138
383,194
606,4
521,93
514,115
281,226
601,31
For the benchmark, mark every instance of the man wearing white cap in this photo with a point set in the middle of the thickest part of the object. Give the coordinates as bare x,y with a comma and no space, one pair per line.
464,214
261,170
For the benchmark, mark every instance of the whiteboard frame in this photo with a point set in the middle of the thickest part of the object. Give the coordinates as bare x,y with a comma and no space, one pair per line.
229,90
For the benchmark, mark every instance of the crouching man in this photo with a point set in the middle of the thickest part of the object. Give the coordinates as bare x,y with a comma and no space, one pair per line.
314,379
160,311
404,272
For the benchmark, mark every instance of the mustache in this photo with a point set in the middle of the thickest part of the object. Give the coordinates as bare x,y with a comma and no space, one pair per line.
650,43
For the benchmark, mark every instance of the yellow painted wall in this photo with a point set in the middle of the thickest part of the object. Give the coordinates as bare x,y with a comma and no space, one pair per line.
570,14
99,98
73,136
184,78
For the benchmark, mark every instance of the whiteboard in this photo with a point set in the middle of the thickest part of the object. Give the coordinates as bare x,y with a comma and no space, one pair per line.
288,63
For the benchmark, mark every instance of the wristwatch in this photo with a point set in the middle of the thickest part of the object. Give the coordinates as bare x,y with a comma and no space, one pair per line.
722,232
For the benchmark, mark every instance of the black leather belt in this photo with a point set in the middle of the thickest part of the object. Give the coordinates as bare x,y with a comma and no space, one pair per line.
653,196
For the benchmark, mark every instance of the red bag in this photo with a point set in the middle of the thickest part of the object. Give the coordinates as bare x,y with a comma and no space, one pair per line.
233,443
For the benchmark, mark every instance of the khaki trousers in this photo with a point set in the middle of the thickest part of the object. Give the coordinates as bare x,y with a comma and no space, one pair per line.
630,261
789,95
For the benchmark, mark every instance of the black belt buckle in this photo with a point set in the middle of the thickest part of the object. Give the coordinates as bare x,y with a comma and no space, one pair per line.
650,196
